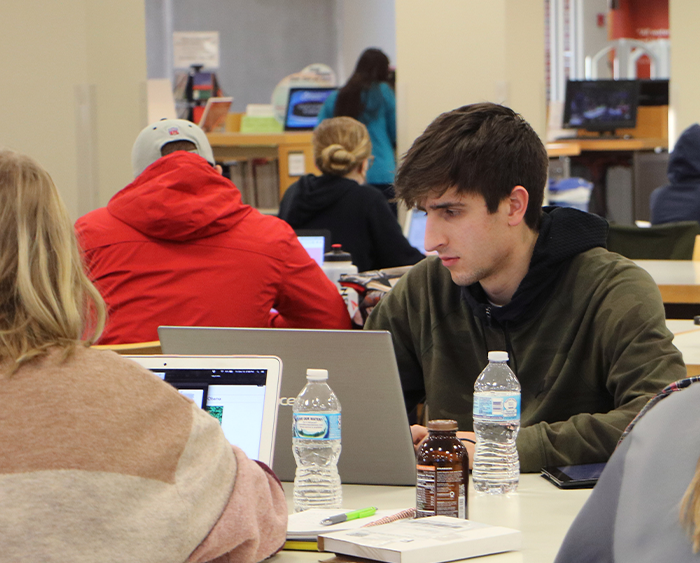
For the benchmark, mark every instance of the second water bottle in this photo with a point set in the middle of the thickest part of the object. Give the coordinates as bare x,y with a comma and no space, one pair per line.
496,467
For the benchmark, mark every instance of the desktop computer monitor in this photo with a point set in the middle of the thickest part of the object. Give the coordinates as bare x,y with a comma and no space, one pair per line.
601,105
653,92
303,108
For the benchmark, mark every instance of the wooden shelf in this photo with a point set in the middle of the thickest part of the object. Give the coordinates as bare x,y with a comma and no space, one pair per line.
237,146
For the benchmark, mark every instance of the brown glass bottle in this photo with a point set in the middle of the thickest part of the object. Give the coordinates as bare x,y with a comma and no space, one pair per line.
442,472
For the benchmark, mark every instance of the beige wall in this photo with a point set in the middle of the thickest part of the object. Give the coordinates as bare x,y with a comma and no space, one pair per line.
455,52
73,87
684,18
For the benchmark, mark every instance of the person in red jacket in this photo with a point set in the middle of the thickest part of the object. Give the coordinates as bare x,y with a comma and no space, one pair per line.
178,247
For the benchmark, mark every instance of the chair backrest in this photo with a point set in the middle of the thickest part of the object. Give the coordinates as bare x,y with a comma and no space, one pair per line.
136,348
668,241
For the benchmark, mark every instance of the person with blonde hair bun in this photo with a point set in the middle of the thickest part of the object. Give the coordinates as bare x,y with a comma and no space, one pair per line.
100,456
339,200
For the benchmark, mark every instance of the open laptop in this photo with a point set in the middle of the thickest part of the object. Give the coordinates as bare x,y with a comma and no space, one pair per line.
414,228
241,392
376,441
316,242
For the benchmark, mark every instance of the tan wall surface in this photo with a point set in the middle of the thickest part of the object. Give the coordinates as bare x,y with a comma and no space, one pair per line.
684,19
448,54
117,66
456,52
525,61
54,54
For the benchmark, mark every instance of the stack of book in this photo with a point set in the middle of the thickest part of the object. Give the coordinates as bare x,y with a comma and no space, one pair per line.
435,539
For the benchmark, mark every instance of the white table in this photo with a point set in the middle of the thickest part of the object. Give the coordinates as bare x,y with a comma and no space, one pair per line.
686,337
678,280
539,510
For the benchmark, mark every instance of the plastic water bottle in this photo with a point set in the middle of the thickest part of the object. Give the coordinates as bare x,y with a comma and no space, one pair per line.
336,263
316,444
496,467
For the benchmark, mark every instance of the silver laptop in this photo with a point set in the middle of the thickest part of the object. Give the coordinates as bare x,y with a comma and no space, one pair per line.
362,371
241,392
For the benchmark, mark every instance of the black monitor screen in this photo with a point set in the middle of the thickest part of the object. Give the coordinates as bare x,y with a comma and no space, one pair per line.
601,105
653,92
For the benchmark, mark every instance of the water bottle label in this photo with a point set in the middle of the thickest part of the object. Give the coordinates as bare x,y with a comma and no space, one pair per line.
497,406
317,426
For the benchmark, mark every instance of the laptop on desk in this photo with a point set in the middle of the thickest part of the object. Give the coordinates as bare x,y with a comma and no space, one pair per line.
316,242
241,392
376,440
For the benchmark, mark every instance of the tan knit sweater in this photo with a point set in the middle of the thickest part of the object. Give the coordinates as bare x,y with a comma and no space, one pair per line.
100,460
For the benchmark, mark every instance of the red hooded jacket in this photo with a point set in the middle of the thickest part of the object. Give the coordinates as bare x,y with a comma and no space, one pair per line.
178,247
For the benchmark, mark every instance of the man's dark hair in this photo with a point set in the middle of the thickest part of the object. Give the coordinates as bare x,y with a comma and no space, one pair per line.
169,148
484,149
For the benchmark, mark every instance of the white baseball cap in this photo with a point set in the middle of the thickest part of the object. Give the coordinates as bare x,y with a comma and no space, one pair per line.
154,137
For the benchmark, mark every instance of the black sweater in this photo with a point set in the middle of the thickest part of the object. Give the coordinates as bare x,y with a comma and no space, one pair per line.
358,217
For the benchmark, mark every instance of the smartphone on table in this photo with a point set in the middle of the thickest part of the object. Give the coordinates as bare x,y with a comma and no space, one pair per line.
583,476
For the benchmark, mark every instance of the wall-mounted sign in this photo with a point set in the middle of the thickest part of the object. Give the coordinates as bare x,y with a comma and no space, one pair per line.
196,48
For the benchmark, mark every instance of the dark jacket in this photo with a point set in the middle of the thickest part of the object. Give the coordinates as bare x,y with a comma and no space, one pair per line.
357,216
585,331
680,200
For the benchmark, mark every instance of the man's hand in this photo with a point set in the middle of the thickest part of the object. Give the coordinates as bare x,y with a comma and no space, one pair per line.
420,433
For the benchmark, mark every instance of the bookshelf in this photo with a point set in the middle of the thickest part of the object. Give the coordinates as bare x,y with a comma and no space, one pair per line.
292,153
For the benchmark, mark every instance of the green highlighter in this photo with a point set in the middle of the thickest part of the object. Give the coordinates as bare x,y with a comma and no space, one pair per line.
353,515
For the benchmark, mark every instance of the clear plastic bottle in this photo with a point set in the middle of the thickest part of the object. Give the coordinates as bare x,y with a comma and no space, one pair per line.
338,262
316,444
496,467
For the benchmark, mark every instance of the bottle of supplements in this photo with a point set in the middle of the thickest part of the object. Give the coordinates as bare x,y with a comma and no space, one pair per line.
443,472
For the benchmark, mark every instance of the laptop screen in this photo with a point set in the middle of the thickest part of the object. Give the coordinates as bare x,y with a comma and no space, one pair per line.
235,398
243,399
416,229
315,246
303,108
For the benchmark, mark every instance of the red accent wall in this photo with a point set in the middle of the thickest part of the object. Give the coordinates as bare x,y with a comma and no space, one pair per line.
645,20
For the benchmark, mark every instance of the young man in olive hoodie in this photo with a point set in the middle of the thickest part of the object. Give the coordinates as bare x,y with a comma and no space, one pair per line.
584,328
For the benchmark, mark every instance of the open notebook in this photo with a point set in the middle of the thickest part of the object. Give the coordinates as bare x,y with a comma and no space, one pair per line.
241,392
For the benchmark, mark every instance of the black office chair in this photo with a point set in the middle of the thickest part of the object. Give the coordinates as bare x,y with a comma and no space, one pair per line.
668,241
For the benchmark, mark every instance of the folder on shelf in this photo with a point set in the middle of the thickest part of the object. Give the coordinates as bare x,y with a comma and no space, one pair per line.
214,115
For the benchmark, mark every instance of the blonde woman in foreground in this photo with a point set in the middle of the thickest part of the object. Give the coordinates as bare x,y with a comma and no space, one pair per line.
646,505
100,459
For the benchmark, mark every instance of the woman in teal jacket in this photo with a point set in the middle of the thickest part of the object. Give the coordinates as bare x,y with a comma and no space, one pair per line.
368,98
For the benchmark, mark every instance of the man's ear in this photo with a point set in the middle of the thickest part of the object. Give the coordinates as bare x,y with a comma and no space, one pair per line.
219,169
517,201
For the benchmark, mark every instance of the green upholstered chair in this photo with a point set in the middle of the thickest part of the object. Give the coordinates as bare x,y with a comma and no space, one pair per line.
668,241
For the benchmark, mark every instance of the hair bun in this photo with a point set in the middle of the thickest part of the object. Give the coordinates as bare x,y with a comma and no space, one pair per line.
341,145
338,159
